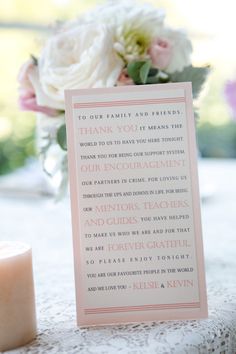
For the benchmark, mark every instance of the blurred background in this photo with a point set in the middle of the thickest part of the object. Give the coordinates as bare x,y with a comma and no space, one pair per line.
24,25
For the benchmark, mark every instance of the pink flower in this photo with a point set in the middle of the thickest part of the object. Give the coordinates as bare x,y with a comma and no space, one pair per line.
160,52
124,79
230,94
27,102
27,96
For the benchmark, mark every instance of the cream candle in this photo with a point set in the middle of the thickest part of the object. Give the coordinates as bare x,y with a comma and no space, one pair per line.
17,302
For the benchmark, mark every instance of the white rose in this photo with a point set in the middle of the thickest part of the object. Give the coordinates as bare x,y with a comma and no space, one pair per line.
181,49
41,98
82,57
134,26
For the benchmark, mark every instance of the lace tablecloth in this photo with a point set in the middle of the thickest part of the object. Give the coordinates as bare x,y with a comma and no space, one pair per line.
47,227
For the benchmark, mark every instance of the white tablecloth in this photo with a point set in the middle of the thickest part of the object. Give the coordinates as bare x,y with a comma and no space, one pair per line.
46,226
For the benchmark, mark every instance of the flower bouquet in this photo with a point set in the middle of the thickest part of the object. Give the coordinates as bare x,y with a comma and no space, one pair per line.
118,43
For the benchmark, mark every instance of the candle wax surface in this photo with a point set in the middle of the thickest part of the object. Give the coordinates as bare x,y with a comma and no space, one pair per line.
11,249
17,300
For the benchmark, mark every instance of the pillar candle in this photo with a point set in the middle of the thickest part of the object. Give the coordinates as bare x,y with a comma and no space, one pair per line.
17,302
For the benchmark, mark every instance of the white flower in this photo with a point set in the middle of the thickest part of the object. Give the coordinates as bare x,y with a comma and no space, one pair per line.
41,98
134,26
81,57
181,49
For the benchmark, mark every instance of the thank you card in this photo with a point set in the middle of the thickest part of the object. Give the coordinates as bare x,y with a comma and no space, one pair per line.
135,204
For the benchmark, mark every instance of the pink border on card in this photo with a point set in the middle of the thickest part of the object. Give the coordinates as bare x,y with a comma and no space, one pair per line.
114,309
196,198
122,314
129,102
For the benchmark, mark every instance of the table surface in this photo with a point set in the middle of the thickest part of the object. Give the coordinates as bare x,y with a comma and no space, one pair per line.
36,219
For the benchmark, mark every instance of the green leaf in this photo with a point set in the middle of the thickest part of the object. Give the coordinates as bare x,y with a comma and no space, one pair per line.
153,80
160,78
153,72
144,70
142,73
196,75
61,137
133,69
34,59
138,71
